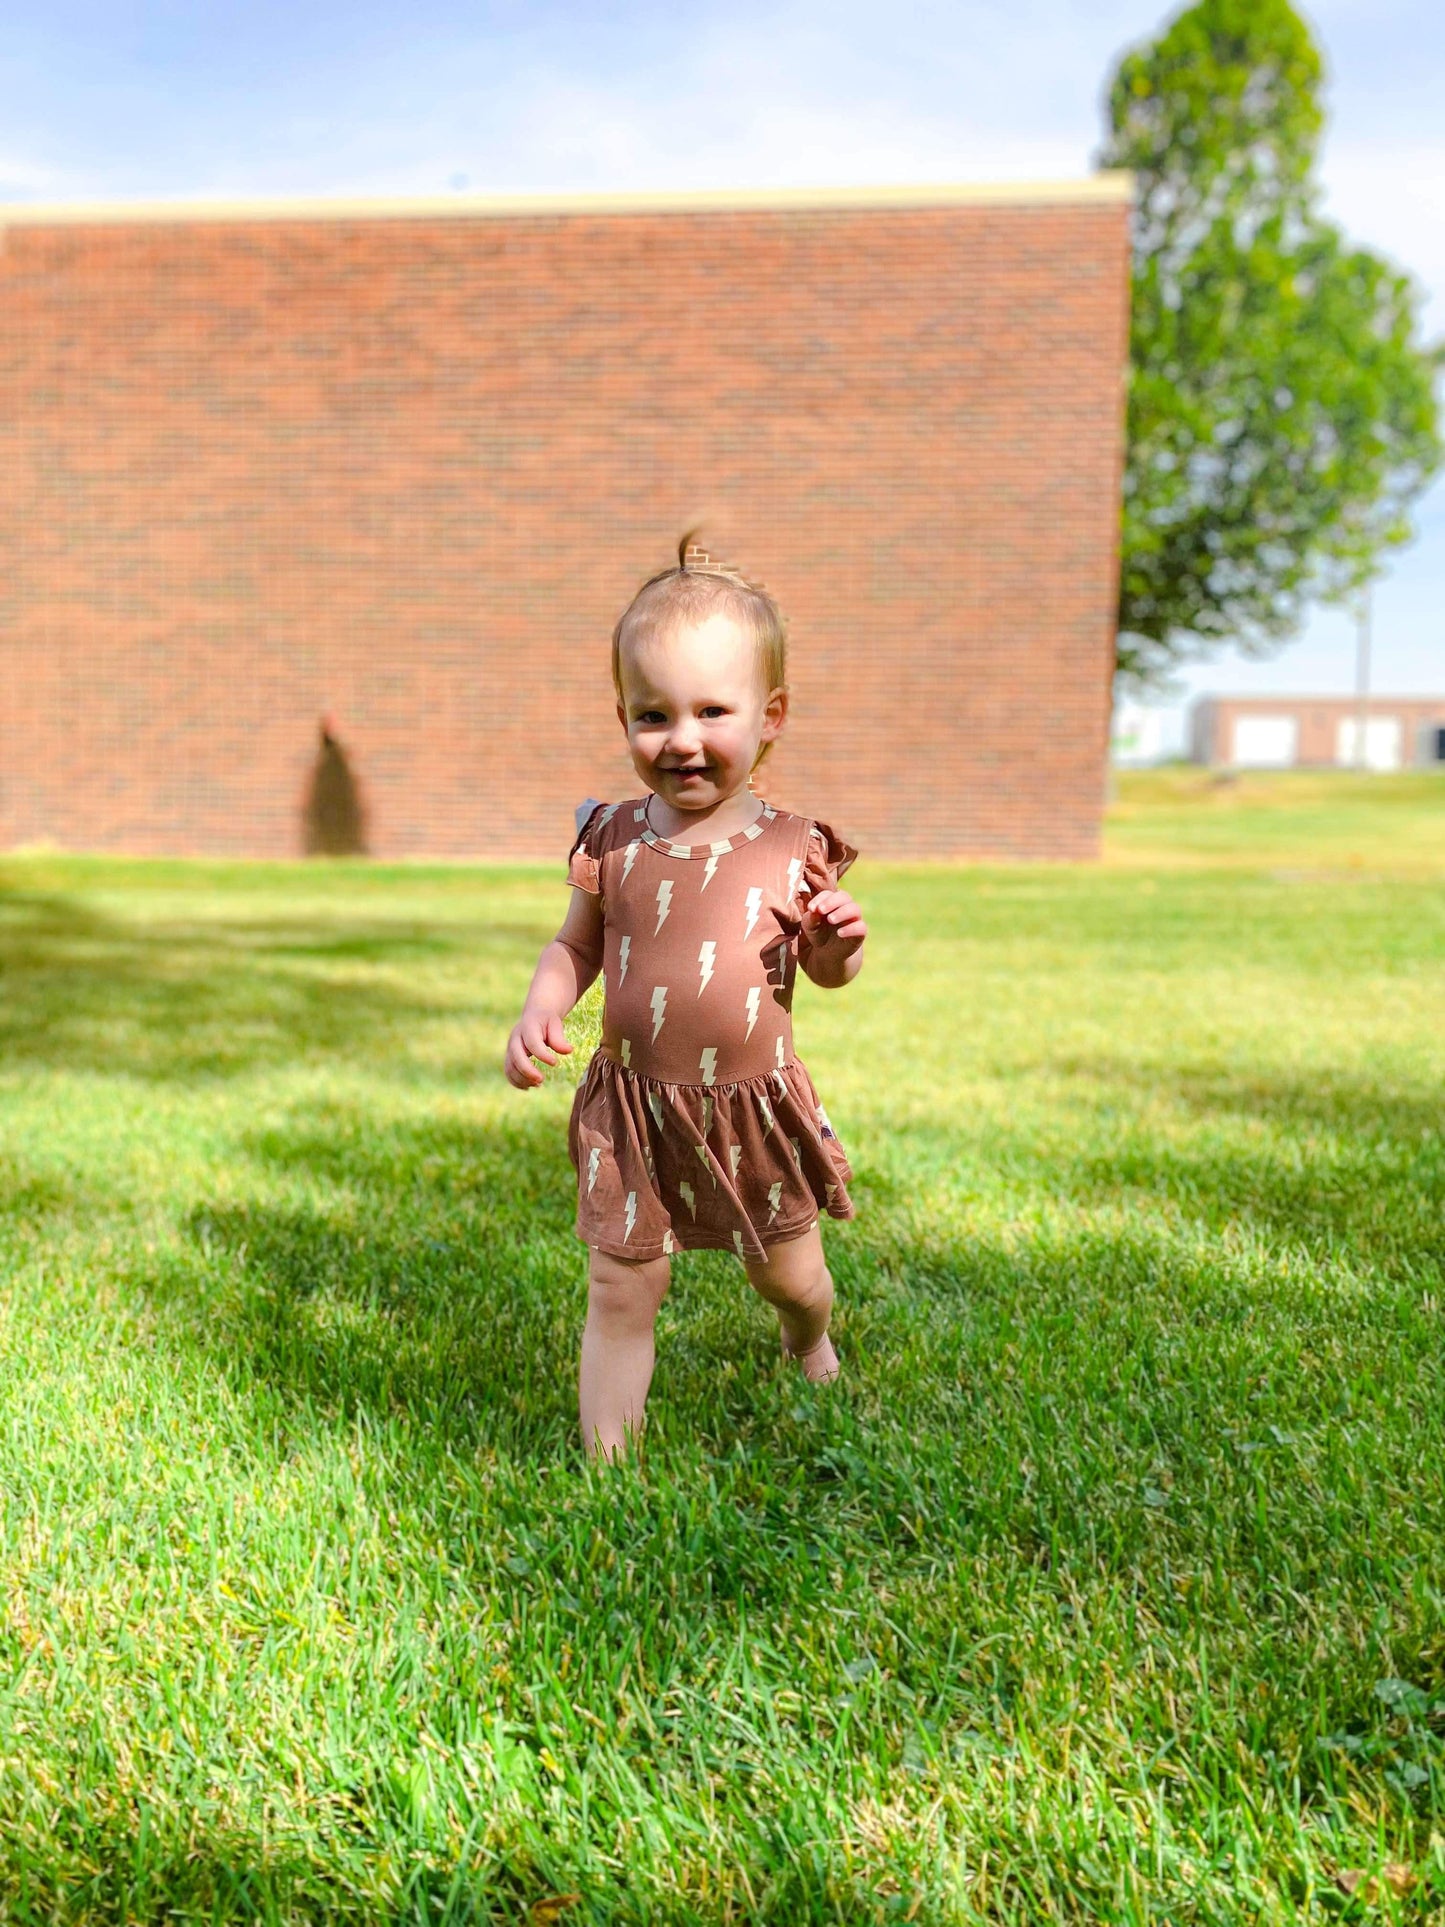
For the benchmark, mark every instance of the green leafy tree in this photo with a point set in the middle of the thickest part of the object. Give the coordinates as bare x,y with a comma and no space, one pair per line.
1282,410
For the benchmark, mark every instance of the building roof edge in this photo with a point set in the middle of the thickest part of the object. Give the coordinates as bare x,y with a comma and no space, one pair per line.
1108,185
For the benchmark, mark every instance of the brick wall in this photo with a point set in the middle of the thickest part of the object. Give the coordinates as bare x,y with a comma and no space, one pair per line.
405,465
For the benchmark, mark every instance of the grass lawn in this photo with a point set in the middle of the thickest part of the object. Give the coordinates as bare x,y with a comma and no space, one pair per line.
1108,1584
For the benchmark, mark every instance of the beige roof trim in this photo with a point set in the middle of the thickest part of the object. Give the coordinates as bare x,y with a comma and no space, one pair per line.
1108,185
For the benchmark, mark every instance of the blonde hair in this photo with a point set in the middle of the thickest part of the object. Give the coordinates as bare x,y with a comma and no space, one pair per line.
694,590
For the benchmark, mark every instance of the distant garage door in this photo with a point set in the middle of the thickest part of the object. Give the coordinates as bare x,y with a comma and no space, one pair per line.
1382,742
1265,742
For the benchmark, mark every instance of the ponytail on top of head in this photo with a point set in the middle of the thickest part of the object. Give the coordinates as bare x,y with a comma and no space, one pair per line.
689,593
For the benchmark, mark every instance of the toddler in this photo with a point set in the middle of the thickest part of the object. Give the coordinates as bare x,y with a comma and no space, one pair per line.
695,1125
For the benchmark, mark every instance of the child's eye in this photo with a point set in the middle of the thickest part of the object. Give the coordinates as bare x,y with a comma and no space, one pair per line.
714,709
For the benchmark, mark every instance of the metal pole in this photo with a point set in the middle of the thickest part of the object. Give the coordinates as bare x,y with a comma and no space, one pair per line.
1362,676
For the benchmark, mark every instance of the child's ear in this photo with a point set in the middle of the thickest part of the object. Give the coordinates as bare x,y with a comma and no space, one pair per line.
622,718
775,715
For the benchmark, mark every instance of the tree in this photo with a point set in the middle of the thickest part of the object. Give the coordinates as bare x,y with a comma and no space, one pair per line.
1282,411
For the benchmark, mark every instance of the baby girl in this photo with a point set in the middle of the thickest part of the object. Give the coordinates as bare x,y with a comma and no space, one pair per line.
695,1125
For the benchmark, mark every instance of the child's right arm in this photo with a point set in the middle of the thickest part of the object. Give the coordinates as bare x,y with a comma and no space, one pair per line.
565,970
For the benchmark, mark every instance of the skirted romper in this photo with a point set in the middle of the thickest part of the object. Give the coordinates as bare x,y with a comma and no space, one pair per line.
695,1125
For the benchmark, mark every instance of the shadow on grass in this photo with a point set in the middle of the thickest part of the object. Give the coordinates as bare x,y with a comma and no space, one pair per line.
1346,1169
190,998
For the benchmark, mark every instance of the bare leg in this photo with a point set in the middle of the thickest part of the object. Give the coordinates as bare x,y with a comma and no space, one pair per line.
617,1348
795,1280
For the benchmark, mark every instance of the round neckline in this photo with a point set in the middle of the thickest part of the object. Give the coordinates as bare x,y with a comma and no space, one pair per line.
720,847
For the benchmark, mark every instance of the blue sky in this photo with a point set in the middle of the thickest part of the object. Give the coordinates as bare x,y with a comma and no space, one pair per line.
171,101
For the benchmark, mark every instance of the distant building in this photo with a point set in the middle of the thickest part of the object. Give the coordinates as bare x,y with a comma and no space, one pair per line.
1318,732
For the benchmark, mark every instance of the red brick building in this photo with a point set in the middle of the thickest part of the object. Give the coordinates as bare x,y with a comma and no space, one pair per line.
403,463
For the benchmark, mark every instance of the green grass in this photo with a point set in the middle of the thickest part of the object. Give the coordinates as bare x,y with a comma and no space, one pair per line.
1109,1584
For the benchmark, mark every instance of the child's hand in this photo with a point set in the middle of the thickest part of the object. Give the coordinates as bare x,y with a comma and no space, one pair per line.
536,1034
834,927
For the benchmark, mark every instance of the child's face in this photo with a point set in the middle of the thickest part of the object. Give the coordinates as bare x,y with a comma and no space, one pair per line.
695,711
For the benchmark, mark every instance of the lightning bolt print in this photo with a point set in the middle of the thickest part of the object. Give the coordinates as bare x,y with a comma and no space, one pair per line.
607,816
592,1160
775,1199
766,1110
669,1243
708,1064
707,1106
753,996
797,1152
780,1050
701,1150
735,1152
654,1104
627,1051
630,857
659,1004
718,850
624,950
738,1243
754,909
686,1192
631,1215
664,902
705,958
795,870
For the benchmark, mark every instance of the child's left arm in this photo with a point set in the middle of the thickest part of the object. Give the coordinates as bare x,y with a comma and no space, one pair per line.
830,948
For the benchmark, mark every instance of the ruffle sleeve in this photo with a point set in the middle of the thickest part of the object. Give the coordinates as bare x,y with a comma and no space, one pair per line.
582,861
828,856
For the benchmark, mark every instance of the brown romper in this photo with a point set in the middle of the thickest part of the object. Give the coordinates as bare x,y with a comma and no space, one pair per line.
695,1125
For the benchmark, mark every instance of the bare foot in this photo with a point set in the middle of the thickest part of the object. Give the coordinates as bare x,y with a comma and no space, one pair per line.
820,1364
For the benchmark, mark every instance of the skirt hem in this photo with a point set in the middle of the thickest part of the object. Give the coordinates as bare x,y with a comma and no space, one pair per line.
703,1240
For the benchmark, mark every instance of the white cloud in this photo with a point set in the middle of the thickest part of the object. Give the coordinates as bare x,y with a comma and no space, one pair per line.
1390,195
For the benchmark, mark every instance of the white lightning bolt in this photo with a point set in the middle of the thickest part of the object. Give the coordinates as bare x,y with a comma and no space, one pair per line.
669,1243
654,1104
710,870
775,1199
735,1151
623,950
797,1152
832,1192
782,1081
738,1241
708,1062
767,1114
659,1004
592,1160
795,870
826,1123
701,1150
753,996
687,1197
780,1050
664,902
627,1051
631,1215
707,1104
607,815
754,909
705,957
630,857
